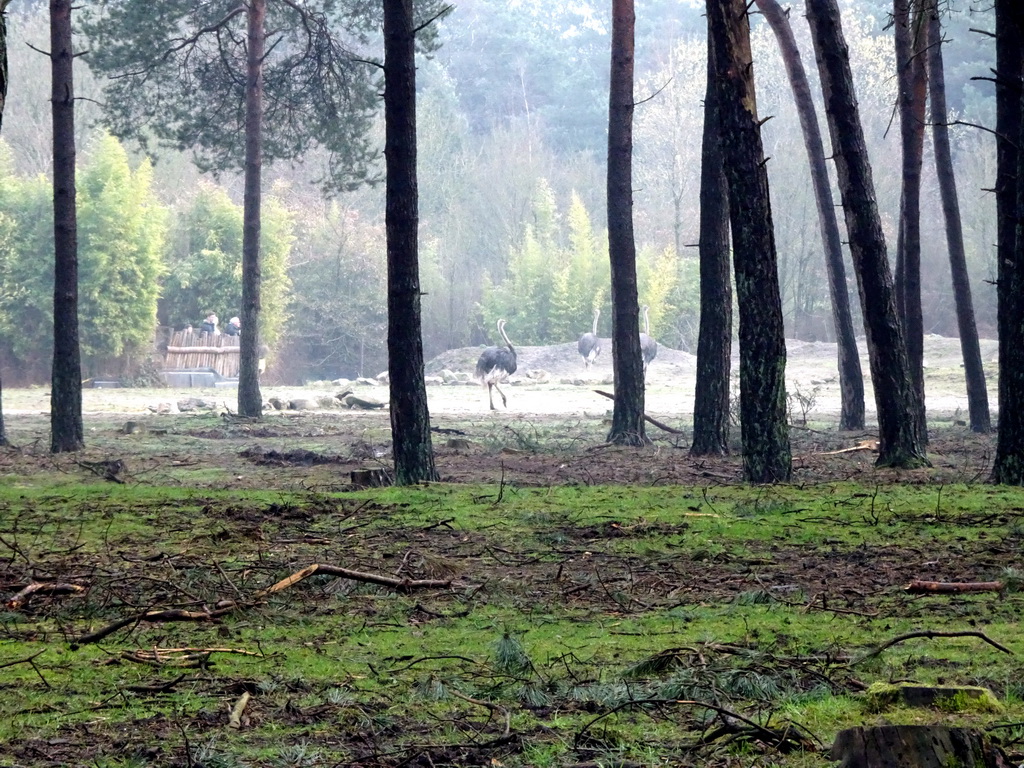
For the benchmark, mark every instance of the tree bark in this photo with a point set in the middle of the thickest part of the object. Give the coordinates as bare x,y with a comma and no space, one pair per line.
912,86
410,418
627,362
3,428
900,444
851,378
1009,462
3,103
763,426
3,58
974,372
250,400
714,340
66,430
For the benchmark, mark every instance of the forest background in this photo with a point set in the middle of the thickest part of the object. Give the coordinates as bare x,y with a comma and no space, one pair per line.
512,133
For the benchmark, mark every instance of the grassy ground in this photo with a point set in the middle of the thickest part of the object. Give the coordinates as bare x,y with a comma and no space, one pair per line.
580,625
599,606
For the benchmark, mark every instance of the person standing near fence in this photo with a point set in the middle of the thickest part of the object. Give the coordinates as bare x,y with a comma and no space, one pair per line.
209,324
233,328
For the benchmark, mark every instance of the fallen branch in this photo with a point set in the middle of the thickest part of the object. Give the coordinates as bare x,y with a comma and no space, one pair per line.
235,718
401,585
784,740
163,687
653,421
917,587
173,614
159,651
488,705
225,607
108,470
26,660
929,633
863,445
21,599
188,661
31,661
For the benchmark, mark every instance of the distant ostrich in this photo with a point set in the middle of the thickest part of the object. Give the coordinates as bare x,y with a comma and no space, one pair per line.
589,344
496,364
648,346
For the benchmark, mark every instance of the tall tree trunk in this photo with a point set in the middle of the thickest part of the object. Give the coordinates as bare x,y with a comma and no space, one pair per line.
974,372
410,419
765,433
3,103
900,444
66,430
1009,462
3,428
627,362
851,378
250,400
714,341
911,80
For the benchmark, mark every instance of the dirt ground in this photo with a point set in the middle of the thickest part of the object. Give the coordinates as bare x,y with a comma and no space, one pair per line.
551,432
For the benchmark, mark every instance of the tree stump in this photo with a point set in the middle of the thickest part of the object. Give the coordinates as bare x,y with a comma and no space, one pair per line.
370,478
948,698
915,746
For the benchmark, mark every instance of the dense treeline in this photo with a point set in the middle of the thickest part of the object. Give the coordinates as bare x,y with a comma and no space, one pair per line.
511,186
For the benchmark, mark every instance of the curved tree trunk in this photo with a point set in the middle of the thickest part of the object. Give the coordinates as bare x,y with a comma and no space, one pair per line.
974,372
627,363
410,419
900,445
714,341
911,79
765,432
250,401
66,430
1009,461
851,378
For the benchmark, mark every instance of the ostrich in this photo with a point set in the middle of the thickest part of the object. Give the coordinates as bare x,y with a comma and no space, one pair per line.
496,364
648,346
589,344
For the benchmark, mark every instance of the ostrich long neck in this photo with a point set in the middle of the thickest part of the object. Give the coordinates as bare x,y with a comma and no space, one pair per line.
501,330
647,323
597,314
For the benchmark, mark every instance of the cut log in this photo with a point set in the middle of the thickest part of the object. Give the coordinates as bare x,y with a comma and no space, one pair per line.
918,587
915,746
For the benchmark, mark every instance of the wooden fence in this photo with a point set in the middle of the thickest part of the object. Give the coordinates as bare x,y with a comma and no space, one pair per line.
191,349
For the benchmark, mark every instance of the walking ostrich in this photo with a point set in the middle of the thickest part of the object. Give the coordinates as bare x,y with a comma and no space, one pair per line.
648,346
589,345
496,364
